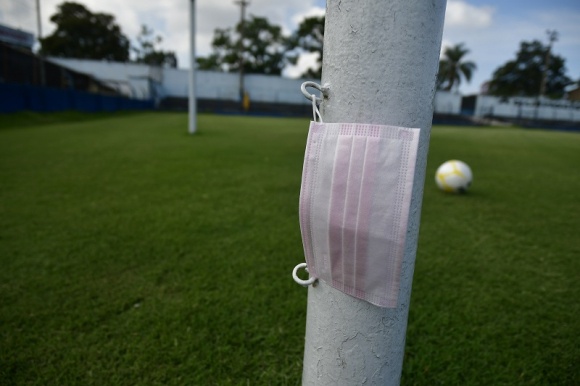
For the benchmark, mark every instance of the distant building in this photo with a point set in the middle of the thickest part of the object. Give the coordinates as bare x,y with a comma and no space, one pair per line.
21,66
16,38
574,94
484,88
521,108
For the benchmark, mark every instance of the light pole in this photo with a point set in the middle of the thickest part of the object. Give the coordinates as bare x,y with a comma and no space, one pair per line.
552,37
39,30
243,4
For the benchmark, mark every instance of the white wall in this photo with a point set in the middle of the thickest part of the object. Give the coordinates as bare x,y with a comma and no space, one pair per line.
141,81
446,102
264,88
208,85
226,86
175,82
528,108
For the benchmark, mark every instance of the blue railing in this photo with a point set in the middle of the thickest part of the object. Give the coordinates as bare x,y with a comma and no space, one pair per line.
19,97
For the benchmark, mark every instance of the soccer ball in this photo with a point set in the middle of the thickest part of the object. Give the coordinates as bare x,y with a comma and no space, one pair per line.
454,177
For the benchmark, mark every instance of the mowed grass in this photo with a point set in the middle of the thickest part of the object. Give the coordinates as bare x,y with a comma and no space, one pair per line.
132,253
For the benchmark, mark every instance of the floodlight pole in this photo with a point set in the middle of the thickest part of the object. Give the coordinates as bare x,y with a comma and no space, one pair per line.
39,28
243,4
552,37
380,62
192,97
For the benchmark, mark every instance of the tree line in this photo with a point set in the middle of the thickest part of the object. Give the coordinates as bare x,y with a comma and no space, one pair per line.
83,34
257,46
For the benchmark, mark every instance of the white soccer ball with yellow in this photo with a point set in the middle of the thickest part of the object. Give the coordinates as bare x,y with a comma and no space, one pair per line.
454,177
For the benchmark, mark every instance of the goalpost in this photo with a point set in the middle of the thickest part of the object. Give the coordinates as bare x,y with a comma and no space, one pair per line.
192,98
380,64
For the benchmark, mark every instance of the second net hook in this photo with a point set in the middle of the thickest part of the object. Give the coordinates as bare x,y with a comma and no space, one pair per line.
323,90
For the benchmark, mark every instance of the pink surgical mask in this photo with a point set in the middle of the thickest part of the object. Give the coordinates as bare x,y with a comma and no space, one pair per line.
354,206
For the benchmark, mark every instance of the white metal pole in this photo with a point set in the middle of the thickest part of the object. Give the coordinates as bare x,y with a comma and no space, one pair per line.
243,4
192,98
380,62
39,28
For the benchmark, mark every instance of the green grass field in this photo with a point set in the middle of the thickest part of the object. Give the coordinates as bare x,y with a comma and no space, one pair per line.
134,254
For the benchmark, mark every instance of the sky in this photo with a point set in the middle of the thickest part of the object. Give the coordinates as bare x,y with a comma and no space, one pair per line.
491,29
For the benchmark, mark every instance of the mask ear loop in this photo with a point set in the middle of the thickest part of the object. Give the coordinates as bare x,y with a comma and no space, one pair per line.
315,110
315,100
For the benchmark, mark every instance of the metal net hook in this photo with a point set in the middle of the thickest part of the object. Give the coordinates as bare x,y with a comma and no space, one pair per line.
304,283
312,97
323,90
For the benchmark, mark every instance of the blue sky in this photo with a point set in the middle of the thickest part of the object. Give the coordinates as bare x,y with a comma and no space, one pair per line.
495,40
491,29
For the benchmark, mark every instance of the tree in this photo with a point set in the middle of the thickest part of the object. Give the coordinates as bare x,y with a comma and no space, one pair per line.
85,35
523,75
225,52
452,67
262,48
147,52
212,63
309,38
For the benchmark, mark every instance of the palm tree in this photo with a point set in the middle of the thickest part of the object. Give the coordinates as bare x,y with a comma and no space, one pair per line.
452,68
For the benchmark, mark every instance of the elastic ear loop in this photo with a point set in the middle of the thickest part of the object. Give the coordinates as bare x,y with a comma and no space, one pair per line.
315,110
315,100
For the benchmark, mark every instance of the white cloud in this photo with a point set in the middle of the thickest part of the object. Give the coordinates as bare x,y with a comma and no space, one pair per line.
444,44
462,14
18,14
492,37
493,45
169,18
305,61
314,11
